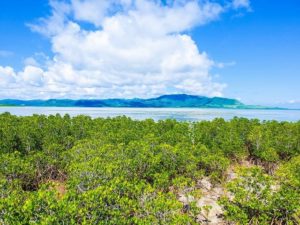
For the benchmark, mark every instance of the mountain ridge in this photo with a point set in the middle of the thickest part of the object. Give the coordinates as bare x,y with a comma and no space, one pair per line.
163,101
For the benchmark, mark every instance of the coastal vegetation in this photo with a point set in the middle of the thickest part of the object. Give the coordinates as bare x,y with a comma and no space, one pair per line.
78,170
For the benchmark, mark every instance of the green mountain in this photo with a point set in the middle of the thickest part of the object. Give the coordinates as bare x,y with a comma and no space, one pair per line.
164,101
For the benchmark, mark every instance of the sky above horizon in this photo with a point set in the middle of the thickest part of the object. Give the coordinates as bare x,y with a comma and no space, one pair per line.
248,50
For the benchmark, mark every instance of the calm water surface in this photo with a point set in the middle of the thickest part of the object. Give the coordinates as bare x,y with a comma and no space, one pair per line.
182,114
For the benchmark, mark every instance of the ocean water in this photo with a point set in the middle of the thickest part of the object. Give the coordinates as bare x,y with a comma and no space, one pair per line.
181,114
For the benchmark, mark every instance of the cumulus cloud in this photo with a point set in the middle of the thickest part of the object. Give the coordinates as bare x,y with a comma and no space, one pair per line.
7,76
32,75
136,48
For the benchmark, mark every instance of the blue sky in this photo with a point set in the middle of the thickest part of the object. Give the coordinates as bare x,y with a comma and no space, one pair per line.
83,49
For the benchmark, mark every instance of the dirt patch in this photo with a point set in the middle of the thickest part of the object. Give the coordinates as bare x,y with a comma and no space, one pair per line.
211,212
59,187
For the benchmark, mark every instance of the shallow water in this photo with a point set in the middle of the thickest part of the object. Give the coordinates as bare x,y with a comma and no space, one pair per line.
181,114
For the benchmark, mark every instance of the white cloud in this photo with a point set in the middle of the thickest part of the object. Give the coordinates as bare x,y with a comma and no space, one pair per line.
32,75
223,65
31,61
293,101
137,49
56,22
241,4
7,76
96,11
39,59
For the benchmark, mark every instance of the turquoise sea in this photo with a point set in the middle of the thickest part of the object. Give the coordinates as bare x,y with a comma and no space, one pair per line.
181,114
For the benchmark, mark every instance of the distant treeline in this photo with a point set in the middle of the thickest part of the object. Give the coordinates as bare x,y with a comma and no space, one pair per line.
79,170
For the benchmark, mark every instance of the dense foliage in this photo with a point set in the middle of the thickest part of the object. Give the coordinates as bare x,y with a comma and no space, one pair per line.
63,170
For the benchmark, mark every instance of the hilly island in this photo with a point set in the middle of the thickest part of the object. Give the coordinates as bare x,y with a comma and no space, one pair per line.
164,101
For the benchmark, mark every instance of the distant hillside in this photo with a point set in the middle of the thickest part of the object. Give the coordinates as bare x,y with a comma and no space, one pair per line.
165,101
